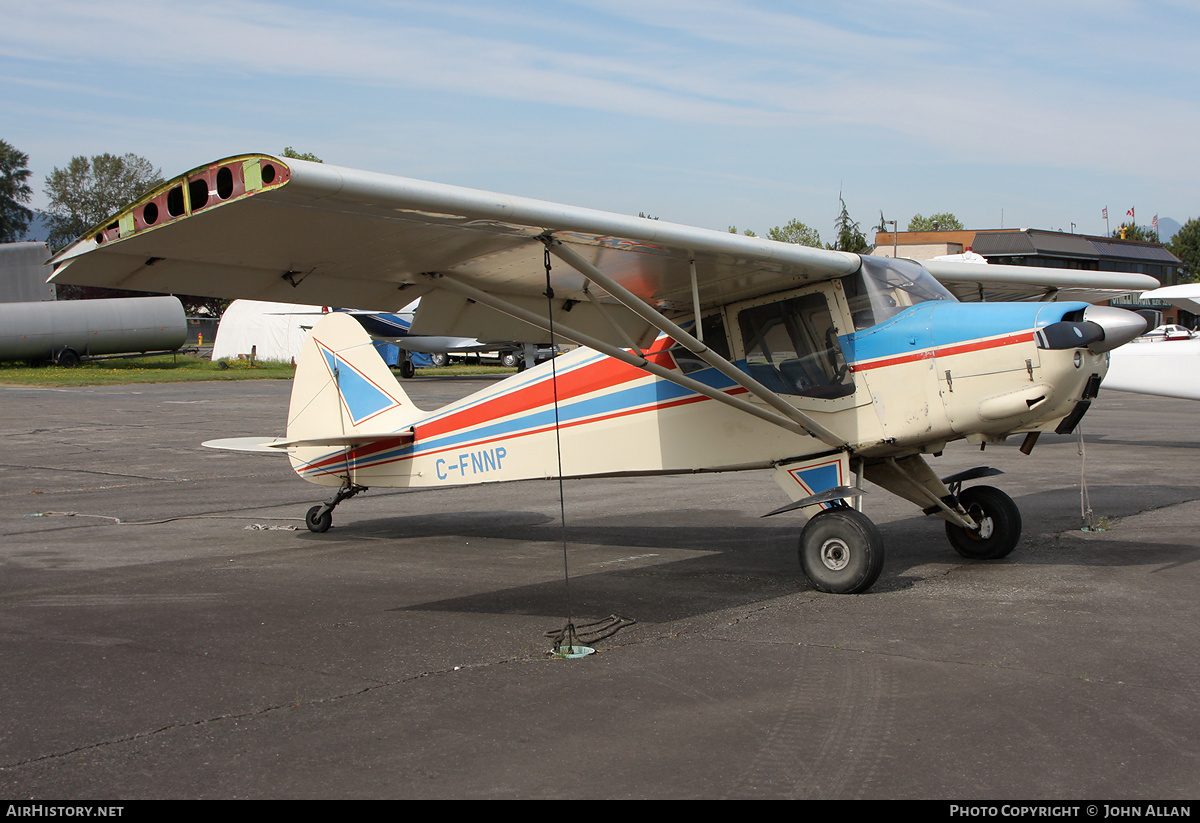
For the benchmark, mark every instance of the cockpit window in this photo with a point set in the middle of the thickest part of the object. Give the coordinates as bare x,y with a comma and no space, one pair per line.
885,286
792,348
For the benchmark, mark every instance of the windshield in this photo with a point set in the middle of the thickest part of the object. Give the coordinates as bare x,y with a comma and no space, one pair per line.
885,286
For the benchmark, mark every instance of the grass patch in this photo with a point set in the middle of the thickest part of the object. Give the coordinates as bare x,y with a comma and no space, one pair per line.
180,368
164,368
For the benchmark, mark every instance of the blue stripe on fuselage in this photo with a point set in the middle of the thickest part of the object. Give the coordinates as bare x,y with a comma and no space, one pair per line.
937,324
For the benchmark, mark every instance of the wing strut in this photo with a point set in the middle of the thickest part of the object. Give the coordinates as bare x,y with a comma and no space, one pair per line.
450,283
655,318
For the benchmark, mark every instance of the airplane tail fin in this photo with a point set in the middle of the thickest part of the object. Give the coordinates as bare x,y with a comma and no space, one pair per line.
343,389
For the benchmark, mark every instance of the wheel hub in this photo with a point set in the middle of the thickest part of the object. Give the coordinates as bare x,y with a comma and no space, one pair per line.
986,524
835,554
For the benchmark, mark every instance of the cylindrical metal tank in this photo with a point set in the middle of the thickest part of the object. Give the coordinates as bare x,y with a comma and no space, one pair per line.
123,325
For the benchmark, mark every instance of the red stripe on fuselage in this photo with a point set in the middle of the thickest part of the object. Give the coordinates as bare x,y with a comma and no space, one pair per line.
962,348
605,373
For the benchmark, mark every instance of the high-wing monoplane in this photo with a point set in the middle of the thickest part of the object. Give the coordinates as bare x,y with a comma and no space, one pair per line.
704,350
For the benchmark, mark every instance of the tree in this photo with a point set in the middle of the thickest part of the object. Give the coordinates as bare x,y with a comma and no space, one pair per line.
14,217
850,238
945,221
295,155
89,190
747,232
796,232
1128,231
1186,246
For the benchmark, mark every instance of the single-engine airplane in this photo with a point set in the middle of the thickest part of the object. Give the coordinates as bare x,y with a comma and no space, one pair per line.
705,350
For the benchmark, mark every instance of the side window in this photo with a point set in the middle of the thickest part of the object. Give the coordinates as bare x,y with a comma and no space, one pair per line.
714,337
792,348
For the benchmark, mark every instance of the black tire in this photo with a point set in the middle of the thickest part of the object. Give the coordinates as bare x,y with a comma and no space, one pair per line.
321,524
841,551
510,359
439,359
1000,524
407,369
68,358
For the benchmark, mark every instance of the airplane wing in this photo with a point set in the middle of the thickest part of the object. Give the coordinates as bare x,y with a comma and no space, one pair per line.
255,226
1185,296
975,282
258,227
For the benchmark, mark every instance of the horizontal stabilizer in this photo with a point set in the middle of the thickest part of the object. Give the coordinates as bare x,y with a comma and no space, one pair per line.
275,445
258,445
360,439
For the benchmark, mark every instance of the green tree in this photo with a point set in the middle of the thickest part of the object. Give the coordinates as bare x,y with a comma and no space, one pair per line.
796,232
1186,246
14,190
747,232
945,221
295,155
90,190
849,237
1128,231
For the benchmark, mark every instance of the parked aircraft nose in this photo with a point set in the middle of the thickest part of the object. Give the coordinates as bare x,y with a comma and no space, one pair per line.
1119,326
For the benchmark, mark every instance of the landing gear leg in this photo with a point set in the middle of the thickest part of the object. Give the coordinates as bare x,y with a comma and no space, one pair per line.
841,551
320,518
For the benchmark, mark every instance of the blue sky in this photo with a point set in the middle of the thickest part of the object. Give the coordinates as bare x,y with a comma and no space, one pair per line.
706,113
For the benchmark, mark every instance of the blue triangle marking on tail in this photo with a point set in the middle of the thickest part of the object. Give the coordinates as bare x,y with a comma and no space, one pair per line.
363,398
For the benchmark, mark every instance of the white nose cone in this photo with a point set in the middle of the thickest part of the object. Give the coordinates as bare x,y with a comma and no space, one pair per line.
1120,326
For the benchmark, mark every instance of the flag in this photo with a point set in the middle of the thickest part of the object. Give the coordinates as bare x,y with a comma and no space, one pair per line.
1130,212
1106,212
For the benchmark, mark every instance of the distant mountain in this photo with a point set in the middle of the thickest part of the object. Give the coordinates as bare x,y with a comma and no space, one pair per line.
1167,228
39,227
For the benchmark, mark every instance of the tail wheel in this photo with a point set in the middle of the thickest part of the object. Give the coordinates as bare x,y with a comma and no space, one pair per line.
318,522
841,551
999,522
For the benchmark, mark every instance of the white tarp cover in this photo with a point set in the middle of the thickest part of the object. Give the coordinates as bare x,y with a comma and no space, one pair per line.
277,330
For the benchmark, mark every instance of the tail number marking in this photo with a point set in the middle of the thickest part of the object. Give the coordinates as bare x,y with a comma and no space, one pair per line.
471,463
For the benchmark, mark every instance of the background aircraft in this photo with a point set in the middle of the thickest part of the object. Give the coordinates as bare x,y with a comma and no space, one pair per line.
1166,365
827,367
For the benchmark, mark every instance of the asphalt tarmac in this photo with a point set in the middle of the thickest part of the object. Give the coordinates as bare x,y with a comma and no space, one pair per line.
169,628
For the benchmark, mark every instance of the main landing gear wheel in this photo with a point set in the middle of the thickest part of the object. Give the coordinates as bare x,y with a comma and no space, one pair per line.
439,359
510,359
318,522
841,551
999,522
407,369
